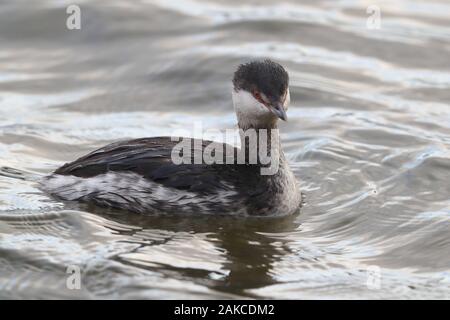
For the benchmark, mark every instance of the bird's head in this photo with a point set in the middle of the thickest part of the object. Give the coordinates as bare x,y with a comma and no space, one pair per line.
260,94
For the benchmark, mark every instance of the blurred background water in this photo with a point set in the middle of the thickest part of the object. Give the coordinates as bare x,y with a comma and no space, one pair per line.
368,137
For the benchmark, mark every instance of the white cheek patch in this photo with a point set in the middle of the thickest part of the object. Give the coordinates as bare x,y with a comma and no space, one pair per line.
250,112
133,192
245,103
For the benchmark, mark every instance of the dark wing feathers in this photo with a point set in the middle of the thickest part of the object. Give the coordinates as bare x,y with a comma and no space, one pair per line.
151,158
135,155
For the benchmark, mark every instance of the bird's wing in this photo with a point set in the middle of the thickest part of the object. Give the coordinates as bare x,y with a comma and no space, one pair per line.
151,158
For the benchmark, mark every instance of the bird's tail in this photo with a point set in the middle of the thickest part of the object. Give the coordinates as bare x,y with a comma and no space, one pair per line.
19,174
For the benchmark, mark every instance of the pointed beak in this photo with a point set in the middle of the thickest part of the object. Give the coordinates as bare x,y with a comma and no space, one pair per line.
278,110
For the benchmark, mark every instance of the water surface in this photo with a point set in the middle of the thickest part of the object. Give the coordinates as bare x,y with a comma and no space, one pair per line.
368,137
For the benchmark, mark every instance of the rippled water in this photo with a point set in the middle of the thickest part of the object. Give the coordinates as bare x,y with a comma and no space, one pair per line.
368,137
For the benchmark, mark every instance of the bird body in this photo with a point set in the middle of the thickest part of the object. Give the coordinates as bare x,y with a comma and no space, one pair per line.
141,175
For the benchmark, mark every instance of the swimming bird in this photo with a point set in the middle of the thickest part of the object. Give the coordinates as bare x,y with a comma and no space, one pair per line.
140,175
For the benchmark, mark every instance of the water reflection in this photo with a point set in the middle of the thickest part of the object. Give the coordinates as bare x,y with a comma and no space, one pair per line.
234,254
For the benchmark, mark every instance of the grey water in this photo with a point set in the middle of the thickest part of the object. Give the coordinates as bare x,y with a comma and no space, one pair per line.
368,138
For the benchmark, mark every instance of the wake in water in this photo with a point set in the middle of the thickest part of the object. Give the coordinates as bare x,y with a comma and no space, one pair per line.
20,174
21,191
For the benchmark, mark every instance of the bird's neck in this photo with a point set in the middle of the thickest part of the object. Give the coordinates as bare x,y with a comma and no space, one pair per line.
260,140
250,114
262,146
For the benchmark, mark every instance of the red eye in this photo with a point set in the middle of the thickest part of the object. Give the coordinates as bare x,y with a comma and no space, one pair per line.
257,96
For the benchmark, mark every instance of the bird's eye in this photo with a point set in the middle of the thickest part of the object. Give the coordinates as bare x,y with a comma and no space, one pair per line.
257,96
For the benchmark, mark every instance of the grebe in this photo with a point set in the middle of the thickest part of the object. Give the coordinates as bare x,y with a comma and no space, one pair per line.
140,176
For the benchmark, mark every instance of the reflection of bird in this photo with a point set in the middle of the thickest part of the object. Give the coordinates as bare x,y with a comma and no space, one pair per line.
244,251
140,175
